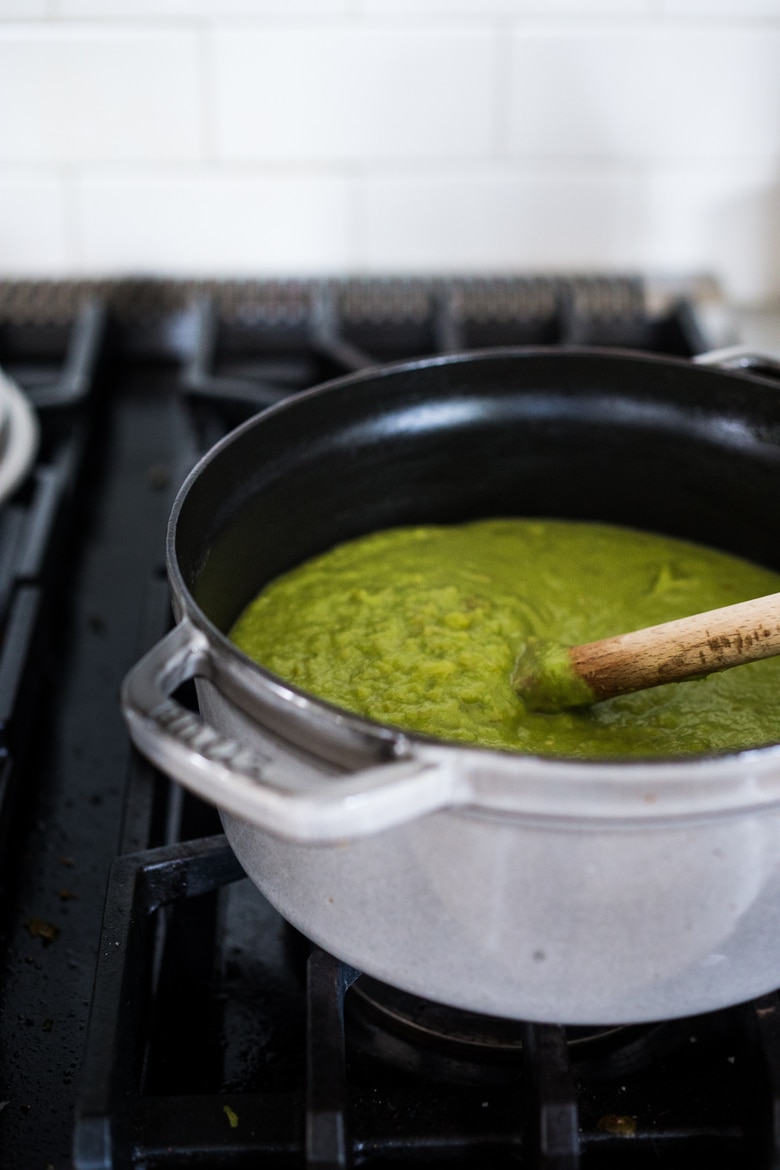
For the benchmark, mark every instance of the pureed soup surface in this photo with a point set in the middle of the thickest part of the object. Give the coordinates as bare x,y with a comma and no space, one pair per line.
420,628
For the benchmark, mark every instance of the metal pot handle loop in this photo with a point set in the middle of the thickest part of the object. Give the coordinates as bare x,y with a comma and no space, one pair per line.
238,780
740,357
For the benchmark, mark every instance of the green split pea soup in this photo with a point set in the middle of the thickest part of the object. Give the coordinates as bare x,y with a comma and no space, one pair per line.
420,627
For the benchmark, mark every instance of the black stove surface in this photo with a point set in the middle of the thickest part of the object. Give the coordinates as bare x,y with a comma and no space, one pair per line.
155,1010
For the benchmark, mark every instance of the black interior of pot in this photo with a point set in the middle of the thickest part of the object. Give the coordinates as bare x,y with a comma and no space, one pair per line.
580,434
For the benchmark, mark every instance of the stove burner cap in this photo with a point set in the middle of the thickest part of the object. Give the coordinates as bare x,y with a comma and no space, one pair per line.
412,1033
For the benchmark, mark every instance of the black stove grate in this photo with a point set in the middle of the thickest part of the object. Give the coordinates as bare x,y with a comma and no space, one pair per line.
656,1095
156,1011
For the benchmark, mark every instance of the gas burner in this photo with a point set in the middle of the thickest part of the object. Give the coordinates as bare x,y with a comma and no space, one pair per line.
416,1035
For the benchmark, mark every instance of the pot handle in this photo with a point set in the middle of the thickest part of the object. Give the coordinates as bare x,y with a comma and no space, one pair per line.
242,782
740,357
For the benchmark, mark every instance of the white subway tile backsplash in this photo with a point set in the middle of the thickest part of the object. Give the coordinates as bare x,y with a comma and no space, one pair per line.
33,236
195,223
498,222
84,94
509,7
727,221
23,9
744,9
216,9
663,221
651,93
311,136
353,93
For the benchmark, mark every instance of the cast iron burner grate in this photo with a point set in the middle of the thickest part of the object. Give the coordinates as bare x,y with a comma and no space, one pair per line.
565,1097
155,1010
60,384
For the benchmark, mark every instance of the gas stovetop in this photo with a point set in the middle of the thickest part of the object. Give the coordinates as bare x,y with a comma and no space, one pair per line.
156,1011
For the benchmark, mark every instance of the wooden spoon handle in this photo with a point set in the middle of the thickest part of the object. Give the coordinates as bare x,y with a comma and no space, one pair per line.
689,647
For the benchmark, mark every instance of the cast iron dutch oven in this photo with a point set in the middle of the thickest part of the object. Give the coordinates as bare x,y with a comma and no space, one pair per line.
585,893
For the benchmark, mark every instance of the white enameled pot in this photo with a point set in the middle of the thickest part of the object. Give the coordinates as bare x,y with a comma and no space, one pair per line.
540,889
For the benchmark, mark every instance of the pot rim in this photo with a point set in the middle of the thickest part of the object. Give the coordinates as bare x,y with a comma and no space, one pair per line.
696,368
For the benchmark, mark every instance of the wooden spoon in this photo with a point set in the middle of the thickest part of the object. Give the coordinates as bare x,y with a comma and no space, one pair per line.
551,677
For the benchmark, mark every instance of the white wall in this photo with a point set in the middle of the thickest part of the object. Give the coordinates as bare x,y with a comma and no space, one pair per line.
258,137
